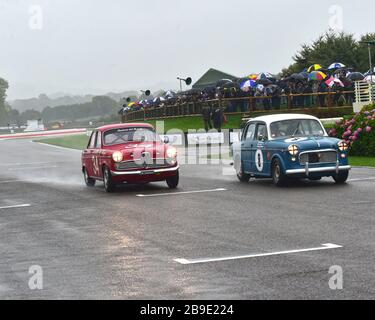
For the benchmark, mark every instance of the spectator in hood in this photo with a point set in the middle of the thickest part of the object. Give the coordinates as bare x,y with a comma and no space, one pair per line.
207,114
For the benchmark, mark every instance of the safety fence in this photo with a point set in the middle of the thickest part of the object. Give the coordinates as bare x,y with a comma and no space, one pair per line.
246,105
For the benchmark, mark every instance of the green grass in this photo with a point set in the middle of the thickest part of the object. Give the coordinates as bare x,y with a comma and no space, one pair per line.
78,142
362,161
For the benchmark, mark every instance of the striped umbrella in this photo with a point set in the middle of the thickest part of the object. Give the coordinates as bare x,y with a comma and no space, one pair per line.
314,67
336,65
317,76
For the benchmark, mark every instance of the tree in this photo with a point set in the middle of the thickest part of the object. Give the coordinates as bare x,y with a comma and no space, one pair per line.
3,110
329,48
362,52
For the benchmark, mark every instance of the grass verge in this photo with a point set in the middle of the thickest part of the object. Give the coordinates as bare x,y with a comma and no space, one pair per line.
196,123
78,142
362,161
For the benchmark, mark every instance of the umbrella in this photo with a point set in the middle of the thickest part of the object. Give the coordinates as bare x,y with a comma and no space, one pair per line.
230,85
253,76
355,76
158,100
221,82
314,67
332,81
264,82
370,79
248,84
336,65
170,94
266,75
317,76
297,76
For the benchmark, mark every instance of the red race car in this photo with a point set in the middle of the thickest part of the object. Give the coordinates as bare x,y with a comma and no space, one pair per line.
129,153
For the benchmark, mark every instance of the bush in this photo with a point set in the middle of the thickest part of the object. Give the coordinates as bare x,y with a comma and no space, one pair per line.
359,131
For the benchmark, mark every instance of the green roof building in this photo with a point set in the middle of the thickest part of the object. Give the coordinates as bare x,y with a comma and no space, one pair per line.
211,77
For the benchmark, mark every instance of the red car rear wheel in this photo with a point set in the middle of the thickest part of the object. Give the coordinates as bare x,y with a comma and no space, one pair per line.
89,181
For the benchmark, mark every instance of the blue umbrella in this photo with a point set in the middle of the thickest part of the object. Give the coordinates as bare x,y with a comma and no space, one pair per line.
248,84
336,65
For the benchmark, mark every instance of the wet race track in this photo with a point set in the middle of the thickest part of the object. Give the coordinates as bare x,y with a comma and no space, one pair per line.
213,238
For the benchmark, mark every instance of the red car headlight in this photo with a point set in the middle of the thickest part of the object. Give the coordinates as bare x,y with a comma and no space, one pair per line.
117,156
171,152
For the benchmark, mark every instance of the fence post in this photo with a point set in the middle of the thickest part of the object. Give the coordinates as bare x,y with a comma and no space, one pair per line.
289,101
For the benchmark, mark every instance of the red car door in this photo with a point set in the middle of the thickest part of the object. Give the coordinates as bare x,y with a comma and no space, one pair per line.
97,155
88,155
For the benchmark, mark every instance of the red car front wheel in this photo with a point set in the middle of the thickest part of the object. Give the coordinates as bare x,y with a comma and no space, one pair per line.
109,185
172,182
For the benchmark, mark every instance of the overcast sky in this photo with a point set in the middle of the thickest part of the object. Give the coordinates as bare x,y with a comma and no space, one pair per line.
95,46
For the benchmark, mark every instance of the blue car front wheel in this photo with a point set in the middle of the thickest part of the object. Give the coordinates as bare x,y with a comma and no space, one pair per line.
278,176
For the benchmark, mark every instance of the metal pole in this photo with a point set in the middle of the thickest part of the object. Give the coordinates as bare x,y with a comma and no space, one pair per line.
370,58
371,71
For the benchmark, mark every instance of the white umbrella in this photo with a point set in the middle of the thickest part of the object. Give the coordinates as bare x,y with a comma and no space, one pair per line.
370,79
336,65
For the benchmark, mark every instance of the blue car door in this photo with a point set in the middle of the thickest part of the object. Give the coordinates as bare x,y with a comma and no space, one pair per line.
259,150
247,146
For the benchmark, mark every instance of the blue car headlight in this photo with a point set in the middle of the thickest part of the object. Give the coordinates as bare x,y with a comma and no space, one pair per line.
293,150
343,146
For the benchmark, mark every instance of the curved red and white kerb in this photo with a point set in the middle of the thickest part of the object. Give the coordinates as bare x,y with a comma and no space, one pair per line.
42,134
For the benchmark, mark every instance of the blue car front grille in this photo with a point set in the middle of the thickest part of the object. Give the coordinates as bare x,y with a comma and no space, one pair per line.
318,157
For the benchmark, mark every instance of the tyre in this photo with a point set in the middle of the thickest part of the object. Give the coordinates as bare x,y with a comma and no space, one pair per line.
278,176
172,182
243,177
89,181
109,185
341,177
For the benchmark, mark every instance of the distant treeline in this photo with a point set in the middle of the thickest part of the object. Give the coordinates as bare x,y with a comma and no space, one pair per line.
100,106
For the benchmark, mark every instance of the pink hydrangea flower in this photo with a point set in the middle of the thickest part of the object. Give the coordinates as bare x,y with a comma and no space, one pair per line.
368,129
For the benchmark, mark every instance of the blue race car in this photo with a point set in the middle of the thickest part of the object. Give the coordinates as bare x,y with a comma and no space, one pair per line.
289,145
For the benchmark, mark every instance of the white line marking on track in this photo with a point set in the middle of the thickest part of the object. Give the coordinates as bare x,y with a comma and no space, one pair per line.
11,181
32,168
179,193
56,147
361,179
16,206
16,164
325,246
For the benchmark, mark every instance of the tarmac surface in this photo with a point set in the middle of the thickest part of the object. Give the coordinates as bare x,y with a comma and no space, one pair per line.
126,245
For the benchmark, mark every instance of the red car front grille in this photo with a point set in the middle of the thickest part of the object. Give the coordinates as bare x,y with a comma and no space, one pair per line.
135,165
